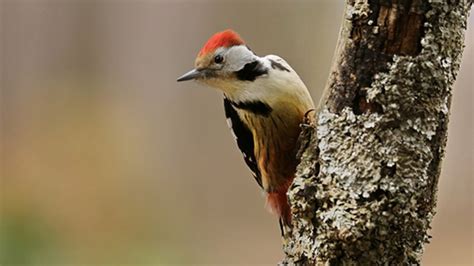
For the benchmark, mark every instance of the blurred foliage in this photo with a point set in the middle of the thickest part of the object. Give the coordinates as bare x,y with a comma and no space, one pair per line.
25,239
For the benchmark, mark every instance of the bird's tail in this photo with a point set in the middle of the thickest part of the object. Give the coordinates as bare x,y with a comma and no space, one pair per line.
277,202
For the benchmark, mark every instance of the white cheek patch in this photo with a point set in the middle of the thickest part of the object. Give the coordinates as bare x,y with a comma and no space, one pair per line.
236,58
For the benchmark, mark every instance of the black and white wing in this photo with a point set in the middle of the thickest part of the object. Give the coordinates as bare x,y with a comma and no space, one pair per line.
244,138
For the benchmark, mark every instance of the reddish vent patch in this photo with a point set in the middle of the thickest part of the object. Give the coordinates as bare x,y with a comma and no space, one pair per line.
225,38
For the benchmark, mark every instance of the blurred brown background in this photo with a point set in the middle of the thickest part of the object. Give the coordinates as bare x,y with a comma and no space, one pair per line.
107,160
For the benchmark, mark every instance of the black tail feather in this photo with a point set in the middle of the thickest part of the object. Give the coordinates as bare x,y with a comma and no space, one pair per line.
282,231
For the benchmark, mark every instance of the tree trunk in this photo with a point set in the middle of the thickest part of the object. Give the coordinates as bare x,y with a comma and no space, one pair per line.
365,189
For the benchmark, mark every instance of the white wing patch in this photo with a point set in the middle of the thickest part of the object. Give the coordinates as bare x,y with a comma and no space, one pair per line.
229,124
244,140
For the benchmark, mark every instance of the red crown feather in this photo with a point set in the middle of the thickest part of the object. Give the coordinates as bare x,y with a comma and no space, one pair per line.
225,38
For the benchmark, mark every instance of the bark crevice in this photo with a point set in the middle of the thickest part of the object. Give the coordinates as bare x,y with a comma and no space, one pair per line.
365,189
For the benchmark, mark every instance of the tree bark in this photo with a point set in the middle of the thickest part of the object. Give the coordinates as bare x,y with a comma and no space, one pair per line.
365,190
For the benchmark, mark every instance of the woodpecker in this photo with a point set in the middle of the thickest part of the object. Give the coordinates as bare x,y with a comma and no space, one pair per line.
265,101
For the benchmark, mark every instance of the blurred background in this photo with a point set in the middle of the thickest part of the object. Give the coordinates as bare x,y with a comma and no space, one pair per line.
107,160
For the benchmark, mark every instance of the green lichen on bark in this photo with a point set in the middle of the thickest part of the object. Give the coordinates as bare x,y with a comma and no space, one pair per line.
365,190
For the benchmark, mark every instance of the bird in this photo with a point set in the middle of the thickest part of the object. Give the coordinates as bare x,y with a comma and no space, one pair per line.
265,102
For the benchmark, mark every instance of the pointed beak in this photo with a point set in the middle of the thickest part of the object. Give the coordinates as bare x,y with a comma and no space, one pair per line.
193,74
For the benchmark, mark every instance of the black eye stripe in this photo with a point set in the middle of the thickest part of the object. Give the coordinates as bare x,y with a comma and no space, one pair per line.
218,59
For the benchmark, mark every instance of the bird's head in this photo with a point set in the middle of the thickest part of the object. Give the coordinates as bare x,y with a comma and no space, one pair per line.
220,60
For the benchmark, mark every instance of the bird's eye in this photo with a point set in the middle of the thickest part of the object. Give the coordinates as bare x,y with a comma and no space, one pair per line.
218,59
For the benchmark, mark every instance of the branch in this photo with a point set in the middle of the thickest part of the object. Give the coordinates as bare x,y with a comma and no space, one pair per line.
365,189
